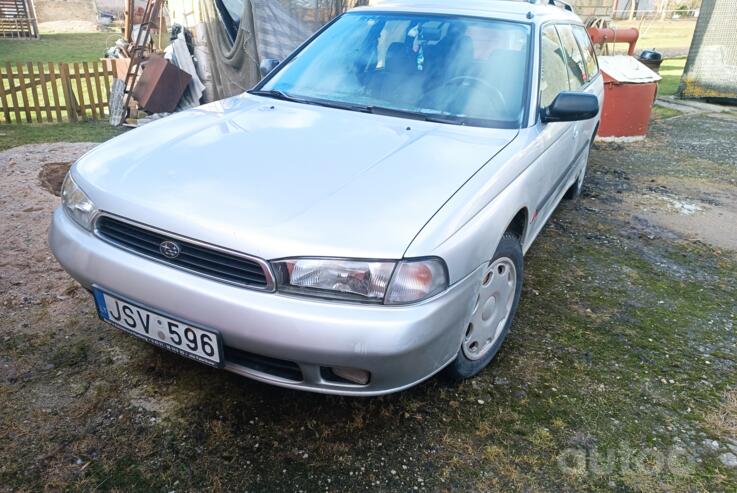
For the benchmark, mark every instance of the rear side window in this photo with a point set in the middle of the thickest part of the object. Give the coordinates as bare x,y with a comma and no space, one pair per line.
553,72
589,56
574,58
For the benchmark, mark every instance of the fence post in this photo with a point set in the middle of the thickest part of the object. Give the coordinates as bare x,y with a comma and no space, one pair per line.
66,85
55,91
90,93
108,71
45,91
23,94
33,89
13,92
98,89
6,111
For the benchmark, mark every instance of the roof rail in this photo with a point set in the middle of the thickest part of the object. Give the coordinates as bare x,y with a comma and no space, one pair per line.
555,3
558,3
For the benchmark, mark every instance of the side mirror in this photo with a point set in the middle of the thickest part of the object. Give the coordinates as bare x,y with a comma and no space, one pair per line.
267,65
571,107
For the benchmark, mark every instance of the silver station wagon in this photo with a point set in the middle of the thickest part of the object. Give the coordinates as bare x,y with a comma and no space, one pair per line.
357,222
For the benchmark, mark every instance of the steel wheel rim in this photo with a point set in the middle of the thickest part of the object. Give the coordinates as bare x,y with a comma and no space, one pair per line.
493,308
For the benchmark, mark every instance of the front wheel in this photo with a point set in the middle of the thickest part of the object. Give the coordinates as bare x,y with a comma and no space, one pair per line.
494,310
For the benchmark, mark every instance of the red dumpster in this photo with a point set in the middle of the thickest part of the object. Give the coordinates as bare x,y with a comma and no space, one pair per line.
630,89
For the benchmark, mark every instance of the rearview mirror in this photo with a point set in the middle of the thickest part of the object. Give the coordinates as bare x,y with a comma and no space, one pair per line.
571,107
267,65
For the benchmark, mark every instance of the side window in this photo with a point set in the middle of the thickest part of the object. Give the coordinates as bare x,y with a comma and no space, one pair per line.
574,58
589,55
553,72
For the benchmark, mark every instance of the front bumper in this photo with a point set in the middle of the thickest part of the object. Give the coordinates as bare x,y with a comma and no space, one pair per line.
400,345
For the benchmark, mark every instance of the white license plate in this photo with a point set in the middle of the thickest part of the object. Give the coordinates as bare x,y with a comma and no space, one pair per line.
202,345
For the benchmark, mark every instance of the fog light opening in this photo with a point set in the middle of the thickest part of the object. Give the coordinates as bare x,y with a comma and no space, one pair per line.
347,375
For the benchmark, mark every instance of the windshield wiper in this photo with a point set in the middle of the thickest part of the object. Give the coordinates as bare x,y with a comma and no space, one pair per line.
415,115
343,105
277,94
376,110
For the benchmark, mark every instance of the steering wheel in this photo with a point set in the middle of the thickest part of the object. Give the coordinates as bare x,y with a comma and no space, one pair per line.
494,94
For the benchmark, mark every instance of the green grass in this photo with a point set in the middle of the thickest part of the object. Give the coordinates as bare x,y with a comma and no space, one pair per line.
78,47
671,71
16,135
662,35
661,113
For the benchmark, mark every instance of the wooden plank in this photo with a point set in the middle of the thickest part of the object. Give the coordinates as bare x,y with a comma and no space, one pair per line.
55,91
45,91
90,94
99,97
34,20
66,85
32,81
33,90
13,94
3,103
80,93
26,106
108,70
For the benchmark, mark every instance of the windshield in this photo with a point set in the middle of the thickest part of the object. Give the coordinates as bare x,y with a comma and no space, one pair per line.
463,70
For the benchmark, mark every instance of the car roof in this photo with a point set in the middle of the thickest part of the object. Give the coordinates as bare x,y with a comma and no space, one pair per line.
529,11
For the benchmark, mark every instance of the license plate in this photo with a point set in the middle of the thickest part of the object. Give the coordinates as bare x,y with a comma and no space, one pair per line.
179,337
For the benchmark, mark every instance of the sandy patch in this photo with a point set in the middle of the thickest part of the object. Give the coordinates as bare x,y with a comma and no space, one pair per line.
695,209
53,27
29,274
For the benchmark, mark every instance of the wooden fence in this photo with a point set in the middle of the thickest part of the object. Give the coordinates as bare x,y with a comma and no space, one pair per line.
55,92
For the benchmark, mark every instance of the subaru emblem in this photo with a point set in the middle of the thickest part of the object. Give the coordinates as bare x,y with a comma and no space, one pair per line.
170,249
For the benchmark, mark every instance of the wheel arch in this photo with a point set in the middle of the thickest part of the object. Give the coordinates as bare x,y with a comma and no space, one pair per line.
519,223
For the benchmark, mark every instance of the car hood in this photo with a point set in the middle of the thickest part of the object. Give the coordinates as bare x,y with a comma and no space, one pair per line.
276,179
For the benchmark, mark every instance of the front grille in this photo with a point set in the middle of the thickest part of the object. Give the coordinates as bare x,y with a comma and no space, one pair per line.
200,259
287,370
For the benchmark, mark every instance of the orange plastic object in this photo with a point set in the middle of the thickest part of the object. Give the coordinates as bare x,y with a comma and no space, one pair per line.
627,107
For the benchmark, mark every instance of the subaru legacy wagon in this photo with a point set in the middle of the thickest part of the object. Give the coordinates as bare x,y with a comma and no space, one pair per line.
356,222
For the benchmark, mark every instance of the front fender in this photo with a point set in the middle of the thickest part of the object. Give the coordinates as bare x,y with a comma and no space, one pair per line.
466,231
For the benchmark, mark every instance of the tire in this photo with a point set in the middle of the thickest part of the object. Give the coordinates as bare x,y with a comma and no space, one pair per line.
469,363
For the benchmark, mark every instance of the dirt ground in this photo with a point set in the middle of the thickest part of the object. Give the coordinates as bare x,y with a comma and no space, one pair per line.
619,374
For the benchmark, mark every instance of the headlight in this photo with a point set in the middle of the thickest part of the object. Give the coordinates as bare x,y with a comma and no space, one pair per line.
77,204
362,280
